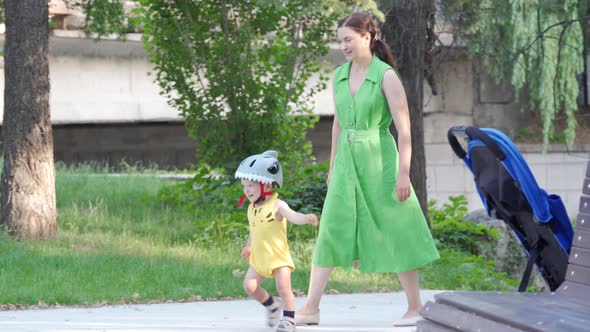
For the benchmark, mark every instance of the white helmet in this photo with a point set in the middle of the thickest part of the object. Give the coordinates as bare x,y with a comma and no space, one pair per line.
264,168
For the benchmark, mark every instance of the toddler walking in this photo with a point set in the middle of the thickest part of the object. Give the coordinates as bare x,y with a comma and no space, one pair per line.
267,248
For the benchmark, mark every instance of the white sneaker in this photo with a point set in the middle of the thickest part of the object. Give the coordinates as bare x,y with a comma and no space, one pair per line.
286,325
274,313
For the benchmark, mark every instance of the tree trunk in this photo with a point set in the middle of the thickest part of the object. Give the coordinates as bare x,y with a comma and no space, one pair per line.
405,31
27,200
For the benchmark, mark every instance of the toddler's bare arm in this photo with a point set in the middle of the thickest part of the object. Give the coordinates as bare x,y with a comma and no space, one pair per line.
285,211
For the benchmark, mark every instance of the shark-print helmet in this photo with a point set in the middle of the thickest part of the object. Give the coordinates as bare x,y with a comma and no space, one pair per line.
264,168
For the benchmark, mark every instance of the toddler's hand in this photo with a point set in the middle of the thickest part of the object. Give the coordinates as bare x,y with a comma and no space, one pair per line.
246,253
312,219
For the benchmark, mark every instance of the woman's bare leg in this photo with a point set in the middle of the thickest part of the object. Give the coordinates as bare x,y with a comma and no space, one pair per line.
411,285
318,280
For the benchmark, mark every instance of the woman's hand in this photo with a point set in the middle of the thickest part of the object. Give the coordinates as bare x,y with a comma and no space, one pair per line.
403,187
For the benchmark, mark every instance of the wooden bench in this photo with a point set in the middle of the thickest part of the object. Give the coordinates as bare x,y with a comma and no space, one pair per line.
567,309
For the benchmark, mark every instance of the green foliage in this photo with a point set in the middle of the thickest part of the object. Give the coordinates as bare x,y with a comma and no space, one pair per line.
462,14
305,192
524,134
584,10
537,45
342,8
466,247
214,194
306,188
209,186
105,17
238,72
451,233
461,271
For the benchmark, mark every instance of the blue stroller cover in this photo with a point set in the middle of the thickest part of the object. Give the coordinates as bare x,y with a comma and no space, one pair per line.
510,192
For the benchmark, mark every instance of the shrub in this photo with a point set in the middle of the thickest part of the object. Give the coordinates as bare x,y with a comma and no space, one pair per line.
212,195
450,232
305,189
238,71
457,270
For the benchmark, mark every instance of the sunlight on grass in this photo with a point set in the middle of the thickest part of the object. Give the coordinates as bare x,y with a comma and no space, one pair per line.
109,268
118,243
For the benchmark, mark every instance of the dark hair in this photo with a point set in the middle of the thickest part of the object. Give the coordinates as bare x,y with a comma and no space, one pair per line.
362,23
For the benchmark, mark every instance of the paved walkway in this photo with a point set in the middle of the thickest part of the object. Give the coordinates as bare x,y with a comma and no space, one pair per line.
340,313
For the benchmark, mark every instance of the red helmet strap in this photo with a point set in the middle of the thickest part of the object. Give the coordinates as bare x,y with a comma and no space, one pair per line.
260,199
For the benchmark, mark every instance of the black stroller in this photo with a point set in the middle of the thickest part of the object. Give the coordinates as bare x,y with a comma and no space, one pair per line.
510,192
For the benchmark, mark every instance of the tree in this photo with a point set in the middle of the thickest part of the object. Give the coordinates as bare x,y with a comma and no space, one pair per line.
27,200
208,89
237,72
405,30
536,45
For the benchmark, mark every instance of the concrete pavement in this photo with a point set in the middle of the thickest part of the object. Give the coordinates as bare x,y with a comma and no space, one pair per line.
340,313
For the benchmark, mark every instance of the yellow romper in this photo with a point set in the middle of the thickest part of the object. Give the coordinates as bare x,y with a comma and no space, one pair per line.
269,249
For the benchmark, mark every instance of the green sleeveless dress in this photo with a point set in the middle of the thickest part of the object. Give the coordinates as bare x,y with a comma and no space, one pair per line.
362,218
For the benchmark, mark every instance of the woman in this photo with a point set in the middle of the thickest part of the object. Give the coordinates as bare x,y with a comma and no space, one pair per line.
371,213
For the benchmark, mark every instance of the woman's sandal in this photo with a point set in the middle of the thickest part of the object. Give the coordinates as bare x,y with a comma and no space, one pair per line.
311,319
409,321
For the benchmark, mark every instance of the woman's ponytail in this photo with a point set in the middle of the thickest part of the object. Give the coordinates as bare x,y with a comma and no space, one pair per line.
382,51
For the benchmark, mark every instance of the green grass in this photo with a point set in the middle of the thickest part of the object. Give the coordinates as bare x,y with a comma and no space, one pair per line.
123,205
82,270
118,243
109,269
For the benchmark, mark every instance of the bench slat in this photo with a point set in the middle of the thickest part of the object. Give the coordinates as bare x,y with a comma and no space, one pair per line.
453,319
580,256
577,273
575,292
581,239
583,221
428,326
525,311
585,204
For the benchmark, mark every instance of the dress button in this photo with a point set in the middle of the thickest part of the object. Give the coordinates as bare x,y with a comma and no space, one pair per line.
351,106
350,123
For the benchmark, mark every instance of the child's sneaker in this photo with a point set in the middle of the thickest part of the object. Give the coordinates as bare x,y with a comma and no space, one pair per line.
286,325
274,312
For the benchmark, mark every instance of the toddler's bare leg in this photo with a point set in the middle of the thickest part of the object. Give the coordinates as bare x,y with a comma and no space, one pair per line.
283,282
252,282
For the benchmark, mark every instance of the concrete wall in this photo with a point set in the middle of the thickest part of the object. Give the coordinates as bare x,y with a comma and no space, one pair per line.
163,144
105,107
108,82
101,82
468,96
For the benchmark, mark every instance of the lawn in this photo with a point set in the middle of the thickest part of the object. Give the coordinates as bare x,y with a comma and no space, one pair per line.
119,243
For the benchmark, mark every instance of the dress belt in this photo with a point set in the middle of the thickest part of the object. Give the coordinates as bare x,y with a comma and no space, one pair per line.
356,134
